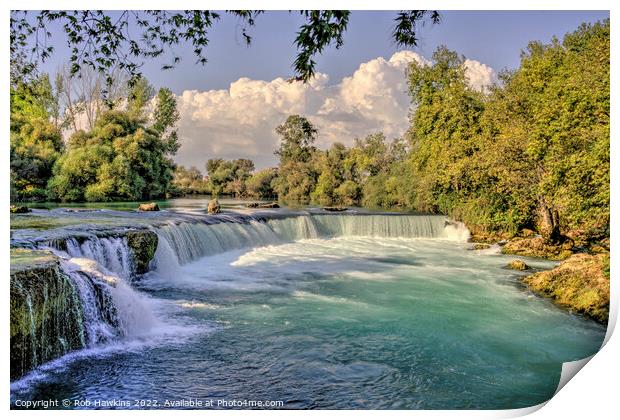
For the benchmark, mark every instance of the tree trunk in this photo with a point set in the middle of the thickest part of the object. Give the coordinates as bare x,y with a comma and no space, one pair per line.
549,223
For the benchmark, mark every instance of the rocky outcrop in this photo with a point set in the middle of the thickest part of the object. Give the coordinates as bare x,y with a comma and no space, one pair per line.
20,209
580,283
538,247
214,207
45,313
143,244
517,265
148,207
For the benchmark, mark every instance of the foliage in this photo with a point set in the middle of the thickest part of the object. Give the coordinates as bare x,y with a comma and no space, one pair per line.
106,40
122,158
296,174
189,181
35,142
531,152
534,153
228,176
259,184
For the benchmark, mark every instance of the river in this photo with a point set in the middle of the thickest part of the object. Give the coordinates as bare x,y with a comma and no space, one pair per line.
349,310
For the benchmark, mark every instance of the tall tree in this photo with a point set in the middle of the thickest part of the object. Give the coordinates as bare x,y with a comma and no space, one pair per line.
35,143
297,175
124,157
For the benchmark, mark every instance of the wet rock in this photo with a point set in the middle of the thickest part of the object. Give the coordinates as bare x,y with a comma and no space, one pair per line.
517,265
272,205
479,247
20,209
143,244
45,312
335,208
214,207
148,207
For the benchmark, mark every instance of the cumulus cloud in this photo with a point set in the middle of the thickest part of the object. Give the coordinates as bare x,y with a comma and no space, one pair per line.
240,121
480,75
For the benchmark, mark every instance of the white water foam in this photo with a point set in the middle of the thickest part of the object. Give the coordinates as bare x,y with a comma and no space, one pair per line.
191,241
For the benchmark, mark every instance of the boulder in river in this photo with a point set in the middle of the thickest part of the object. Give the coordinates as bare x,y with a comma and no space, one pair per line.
481,246
335,208
143,244
517,265
272,205
148,207
20,209
214,206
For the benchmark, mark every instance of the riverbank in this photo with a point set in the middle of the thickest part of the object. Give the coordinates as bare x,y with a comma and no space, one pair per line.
580,283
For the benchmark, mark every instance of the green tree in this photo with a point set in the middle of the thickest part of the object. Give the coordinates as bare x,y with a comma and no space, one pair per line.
297,174
445,126
550,133
35,143
139,96
229,176
259,184
189,181
329,165
122,158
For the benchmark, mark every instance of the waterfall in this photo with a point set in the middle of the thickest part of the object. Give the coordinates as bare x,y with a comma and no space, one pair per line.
101,269
111,253
185,242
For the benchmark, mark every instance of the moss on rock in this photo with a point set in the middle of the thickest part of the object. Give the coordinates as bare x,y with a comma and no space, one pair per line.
45,311
537,247
143,244
517,265
580,283
214,207
148,207
20,209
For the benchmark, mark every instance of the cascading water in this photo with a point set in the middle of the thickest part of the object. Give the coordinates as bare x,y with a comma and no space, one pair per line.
318,310
190,241
101,268
111,253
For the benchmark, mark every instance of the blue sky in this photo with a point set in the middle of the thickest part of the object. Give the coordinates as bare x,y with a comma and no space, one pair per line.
230,107
493,38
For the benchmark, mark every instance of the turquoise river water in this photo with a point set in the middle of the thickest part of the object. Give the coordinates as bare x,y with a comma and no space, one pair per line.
319,311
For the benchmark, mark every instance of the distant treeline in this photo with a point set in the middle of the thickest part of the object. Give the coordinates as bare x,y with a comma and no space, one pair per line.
530,152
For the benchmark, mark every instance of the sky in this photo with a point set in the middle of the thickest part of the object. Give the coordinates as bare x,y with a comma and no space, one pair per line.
230,106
